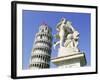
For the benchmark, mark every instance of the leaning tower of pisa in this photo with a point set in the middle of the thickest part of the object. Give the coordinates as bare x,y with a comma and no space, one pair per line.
41,51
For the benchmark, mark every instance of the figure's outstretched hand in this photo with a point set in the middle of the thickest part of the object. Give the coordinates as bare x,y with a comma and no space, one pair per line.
54,46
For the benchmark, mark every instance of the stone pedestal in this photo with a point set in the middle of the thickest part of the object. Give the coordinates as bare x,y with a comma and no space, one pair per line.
69,57
67,51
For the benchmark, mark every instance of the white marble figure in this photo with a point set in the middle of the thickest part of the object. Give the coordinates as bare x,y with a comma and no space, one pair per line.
61,32
72,41
68,36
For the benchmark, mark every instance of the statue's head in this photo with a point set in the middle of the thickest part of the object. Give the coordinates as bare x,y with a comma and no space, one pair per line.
63,20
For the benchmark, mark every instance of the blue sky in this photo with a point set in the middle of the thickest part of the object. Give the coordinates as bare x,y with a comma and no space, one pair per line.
31,20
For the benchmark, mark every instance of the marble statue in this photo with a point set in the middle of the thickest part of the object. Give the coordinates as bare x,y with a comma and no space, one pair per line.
69,55
67,35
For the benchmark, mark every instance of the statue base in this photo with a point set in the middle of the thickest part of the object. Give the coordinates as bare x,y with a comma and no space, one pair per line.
63,51
67,61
